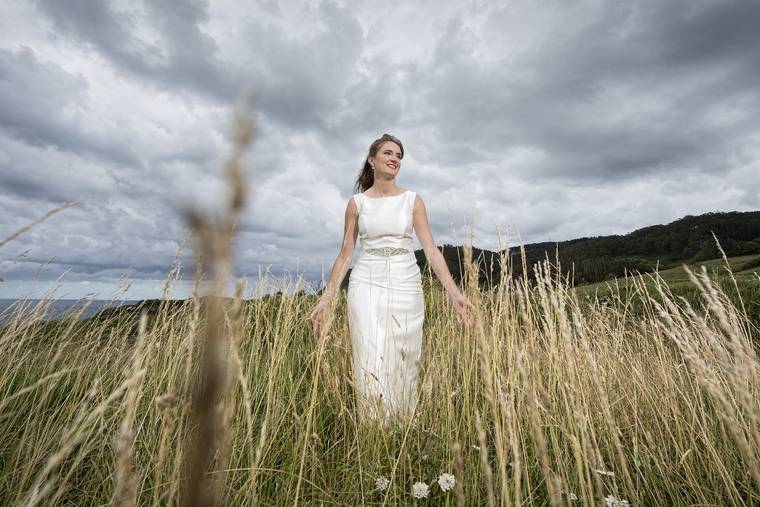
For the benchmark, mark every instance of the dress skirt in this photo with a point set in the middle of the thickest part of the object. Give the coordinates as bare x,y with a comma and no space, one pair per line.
386,311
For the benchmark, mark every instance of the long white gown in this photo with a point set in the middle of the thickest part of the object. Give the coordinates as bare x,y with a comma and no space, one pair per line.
386,309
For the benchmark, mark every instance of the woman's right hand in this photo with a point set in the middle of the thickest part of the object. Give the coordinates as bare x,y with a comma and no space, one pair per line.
319,314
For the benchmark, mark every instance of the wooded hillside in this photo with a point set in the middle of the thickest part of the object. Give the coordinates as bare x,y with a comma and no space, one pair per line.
593,259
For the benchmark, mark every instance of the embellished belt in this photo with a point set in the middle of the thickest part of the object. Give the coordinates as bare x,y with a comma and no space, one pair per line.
387,251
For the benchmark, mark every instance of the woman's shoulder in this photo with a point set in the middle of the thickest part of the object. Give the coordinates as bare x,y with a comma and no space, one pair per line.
417,203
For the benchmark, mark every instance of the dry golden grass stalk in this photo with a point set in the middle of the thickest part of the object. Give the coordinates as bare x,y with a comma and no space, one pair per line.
238,364
322,341
489,369
44,380
538,436
256,461
213,248
166,405
485,466
175,269
724,363
459,474
71,440
233,372
187,349
126,477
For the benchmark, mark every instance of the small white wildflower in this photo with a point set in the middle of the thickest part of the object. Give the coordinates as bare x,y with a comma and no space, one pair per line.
381,483
611,501
605,472
477,448
420,490
446,481
572,497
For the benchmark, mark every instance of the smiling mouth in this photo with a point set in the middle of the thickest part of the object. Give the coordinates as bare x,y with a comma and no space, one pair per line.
393,166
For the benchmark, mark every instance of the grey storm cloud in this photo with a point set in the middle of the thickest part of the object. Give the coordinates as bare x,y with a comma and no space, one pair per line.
564,93
296,83
184,56
556,119
34,95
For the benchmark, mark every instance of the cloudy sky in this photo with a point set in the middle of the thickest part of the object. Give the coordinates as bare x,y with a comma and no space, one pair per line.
536,121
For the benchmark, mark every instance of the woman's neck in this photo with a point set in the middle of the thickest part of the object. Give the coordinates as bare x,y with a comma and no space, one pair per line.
385,187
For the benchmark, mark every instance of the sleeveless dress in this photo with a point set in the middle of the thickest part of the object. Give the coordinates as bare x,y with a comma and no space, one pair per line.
386,309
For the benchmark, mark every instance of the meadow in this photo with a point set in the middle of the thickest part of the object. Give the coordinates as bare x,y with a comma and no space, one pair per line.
556,396
551,398
737,282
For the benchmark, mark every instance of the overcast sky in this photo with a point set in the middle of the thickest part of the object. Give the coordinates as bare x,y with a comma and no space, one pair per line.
545,120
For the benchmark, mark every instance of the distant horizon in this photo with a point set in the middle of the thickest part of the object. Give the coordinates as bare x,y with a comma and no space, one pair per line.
185,287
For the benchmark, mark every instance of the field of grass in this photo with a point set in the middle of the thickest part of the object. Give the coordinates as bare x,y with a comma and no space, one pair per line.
716,268
557,396
740,284
549,399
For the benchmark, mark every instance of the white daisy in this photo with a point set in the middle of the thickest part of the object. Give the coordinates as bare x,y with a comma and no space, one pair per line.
420,490
381,483
446,481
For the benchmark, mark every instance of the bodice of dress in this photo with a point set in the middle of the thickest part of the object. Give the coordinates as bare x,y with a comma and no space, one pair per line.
386,221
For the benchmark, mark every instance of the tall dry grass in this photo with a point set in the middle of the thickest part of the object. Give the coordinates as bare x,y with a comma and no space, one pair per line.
548,399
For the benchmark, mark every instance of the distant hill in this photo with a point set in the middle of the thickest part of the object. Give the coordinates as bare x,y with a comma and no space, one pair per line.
599,258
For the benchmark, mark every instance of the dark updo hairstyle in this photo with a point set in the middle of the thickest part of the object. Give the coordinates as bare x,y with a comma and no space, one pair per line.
367,175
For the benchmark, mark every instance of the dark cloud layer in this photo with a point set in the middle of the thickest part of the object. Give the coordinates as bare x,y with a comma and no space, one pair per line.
553,120
664,65
184,57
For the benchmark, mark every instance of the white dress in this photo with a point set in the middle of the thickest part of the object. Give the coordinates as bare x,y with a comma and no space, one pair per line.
386,309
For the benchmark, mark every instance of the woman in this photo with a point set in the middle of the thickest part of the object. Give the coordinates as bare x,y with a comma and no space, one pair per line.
386,307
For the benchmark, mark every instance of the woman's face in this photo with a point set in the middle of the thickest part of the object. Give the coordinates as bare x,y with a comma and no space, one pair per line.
387,160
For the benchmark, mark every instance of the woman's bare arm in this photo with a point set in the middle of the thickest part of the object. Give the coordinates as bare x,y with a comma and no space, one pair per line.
346,253
464,309
432,254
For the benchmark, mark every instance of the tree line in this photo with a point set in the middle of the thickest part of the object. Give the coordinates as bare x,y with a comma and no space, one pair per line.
594,259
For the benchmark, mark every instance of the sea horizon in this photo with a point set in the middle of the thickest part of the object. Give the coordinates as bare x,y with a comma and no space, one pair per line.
60,307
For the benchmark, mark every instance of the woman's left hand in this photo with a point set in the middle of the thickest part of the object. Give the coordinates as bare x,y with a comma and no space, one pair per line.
463,309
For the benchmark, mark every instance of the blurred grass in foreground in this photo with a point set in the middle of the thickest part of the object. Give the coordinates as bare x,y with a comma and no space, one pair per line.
577,398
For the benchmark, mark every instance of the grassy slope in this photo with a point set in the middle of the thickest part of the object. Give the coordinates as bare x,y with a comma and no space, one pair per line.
678,277
591,402
679,284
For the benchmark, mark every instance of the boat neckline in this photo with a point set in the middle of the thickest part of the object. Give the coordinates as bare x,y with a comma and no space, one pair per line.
384,196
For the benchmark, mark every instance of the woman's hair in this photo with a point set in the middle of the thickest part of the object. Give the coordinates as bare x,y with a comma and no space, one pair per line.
367,175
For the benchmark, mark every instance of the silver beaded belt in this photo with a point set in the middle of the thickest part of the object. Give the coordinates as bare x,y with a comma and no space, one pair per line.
387,251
